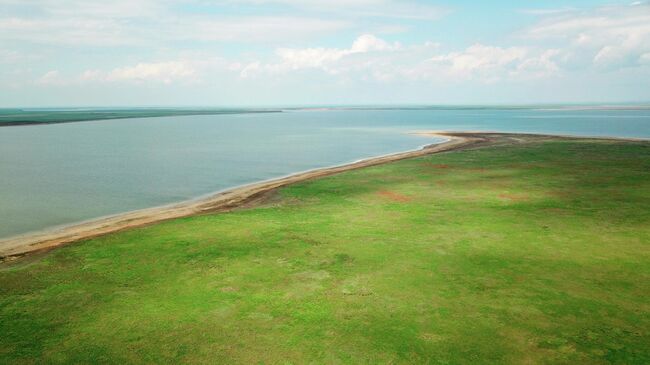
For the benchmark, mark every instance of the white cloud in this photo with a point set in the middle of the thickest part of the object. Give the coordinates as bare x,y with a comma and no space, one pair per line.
480,60
330,60
491,64
295,59
371,58
323,58
538,66
612,36
92,75
368,43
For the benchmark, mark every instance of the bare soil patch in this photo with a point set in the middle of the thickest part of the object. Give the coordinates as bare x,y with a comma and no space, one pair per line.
393,196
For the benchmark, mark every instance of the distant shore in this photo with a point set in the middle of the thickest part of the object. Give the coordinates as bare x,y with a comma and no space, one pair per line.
39,116
244,196
26,117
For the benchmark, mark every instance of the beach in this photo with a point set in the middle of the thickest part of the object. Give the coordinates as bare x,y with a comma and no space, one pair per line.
249,195
244,196
15,247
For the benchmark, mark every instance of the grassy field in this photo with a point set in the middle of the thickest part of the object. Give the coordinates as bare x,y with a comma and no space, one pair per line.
535,253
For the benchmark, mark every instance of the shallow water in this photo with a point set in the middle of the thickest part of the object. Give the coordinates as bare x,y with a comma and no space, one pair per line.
64,173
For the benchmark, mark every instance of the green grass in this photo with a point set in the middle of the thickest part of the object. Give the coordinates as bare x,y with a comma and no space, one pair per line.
518,254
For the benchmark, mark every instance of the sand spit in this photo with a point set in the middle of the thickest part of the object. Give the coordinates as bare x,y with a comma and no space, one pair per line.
243,196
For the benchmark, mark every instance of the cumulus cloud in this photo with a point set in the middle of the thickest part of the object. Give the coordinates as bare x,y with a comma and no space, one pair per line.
364,51
370,57
369,42
326,58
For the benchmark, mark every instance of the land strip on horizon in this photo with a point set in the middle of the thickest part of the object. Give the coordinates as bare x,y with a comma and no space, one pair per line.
38,116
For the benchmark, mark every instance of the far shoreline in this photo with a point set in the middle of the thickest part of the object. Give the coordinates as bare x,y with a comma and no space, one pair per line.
31,117
25,116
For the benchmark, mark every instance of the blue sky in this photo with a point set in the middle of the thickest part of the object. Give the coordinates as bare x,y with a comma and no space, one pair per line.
318,52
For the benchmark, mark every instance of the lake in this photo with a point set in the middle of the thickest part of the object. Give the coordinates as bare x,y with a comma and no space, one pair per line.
59,174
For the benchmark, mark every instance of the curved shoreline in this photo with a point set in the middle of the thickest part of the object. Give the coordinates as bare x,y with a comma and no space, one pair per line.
14,247
251,194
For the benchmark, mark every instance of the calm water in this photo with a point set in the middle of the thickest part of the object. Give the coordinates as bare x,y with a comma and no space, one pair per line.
64,173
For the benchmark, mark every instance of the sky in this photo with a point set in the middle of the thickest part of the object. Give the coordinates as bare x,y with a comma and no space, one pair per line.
322,52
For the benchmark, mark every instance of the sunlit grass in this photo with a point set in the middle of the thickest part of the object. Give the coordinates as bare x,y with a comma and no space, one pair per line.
534,253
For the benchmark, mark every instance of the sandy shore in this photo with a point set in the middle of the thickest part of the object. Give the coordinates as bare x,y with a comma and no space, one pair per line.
15,247
248,195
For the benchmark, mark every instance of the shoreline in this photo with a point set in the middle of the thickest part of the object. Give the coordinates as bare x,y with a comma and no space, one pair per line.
15,247
78,116
249,195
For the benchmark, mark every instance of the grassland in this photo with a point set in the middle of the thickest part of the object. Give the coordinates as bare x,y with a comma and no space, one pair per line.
524,253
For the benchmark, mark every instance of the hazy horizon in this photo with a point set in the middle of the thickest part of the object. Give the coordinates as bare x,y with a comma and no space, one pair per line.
640,104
